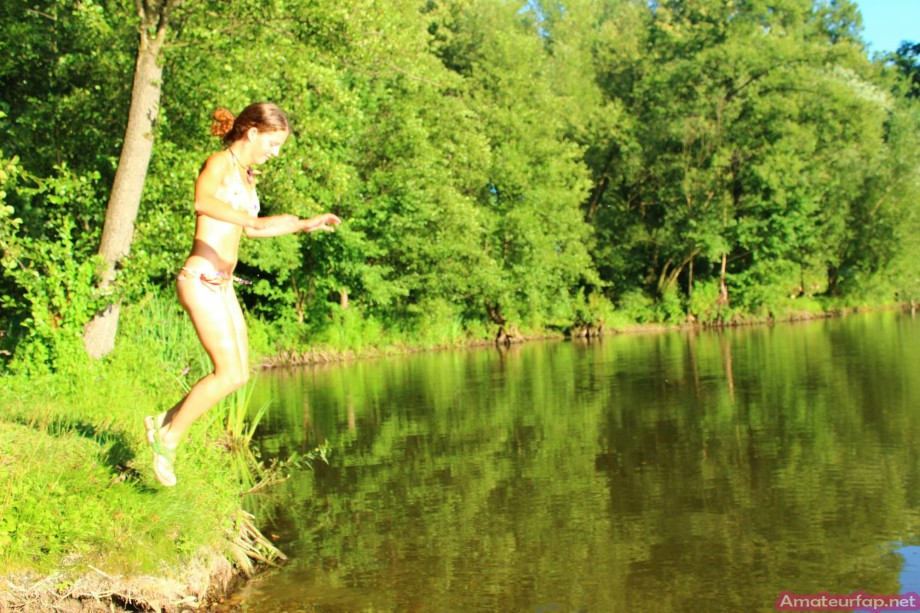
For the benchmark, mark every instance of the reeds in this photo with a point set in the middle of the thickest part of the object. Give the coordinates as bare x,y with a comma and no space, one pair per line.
234,410
249,546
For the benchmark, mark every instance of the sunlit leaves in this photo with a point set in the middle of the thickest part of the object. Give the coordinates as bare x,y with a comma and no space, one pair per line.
505,161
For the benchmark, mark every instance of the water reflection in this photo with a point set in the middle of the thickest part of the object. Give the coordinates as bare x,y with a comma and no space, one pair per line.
692,471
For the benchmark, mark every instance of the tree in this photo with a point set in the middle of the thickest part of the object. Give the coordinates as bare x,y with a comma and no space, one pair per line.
128,186
907,60
714,158
537,264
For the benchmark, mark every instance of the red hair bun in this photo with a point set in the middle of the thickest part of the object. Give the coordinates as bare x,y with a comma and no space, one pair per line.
223,122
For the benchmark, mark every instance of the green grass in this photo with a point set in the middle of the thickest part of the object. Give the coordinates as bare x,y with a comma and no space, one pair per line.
71,509
76,489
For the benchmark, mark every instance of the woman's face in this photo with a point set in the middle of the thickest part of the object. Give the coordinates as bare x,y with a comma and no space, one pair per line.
267,145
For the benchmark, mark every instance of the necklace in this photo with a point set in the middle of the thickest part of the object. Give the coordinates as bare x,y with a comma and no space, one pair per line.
250,173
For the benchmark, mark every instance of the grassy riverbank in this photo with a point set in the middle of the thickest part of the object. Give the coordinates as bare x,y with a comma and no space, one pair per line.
81,516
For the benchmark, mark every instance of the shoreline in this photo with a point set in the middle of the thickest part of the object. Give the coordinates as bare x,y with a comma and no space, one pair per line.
212,577
288,358
207,581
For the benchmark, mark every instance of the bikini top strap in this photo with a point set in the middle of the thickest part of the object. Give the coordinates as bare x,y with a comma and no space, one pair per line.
234,171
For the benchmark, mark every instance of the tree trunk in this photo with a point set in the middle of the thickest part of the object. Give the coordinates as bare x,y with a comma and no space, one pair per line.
602,184
723,287
121,210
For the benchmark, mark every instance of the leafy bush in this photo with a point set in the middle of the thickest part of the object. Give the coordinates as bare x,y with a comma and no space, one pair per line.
638,305
52,292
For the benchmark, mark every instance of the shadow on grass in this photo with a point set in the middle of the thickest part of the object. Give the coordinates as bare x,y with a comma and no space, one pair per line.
118,452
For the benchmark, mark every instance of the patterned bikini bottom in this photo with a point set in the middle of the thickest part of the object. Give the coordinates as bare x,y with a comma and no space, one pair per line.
212,280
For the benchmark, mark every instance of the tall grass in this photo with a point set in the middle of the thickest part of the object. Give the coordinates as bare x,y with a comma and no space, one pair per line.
76,487
239,422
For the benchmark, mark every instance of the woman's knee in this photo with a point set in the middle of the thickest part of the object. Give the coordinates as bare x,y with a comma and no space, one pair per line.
230,381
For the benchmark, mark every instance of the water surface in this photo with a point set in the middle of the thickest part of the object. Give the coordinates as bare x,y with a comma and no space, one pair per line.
683,471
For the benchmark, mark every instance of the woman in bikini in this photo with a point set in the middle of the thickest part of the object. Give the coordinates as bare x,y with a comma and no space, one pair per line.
227,206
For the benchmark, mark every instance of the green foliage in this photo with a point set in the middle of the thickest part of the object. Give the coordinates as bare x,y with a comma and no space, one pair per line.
77,490
62,75
638,305
52,293
239,421
351,330
704,302
766,149
494,166
907,61
437,323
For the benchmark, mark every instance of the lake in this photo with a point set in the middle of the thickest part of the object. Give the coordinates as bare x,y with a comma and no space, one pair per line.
680,471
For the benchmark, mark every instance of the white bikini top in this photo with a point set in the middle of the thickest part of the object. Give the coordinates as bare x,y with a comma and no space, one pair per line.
233,191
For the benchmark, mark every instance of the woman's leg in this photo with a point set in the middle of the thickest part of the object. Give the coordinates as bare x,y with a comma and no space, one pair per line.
217,318
242,334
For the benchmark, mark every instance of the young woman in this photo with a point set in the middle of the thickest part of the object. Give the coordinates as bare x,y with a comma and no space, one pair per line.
227,206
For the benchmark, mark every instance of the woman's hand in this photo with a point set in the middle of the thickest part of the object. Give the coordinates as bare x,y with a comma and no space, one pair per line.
324,222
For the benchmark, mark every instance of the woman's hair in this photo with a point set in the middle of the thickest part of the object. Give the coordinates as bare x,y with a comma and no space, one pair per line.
264,116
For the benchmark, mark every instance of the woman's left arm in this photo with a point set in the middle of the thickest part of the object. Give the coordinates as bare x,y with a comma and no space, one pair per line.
275,225
278,225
